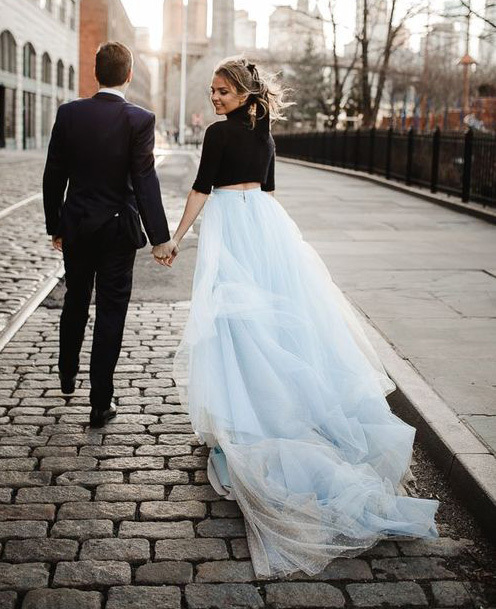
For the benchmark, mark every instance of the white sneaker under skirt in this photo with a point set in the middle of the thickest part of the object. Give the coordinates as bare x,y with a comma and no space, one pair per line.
277,371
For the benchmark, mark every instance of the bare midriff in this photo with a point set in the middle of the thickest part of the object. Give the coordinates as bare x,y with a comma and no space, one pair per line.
242,186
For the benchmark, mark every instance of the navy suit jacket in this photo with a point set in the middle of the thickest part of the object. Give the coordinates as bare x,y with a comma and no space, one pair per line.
102,147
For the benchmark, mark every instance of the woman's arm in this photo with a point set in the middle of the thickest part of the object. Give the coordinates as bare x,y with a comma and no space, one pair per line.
194,205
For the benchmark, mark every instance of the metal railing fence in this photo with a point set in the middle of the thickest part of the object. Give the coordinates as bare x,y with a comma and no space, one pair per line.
459,164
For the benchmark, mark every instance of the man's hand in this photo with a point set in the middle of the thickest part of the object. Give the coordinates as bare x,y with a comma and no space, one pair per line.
57,243
165,253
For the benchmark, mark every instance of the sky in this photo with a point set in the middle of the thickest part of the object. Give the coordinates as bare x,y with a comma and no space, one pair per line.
149,13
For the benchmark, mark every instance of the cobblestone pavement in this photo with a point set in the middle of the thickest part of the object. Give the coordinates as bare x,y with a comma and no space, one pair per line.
27,258
123,517
20,176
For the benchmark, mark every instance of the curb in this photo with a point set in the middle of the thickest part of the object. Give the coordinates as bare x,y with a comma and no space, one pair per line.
471,209
465,461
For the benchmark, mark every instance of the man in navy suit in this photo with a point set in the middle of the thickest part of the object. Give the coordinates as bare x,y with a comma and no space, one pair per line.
102,149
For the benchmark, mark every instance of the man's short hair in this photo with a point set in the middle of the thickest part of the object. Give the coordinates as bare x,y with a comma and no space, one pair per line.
113,62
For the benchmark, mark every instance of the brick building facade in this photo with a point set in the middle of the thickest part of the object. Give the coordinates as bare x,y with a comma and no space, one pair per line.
103,20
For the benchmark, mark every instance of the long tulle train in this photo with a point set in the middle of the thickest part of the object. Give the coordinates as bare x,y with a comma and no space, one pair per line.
276,370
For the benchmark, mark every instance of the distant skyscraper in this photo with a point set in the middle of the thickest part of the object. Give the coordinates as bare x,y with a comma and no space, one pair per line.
245,31
443,41
376,14
377,27
173,22
452,10
456,15
197,20
223,27
487,40
290,30
203,54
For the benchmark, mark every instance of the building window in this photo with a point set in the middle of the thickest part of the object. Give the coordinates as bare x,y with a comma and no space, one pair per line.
62,10
7,111
72,14
8,54
46,117
46,69
29,114
29,67
71,78
60,74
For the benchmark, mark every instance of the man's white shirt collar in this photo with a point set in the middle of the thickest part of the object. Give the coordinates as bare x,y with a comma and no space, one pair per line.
112,91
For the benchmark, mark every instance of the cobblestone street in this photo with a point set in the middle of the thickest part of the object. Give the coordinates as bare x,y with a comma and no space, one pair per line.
20,175
124,518
27,256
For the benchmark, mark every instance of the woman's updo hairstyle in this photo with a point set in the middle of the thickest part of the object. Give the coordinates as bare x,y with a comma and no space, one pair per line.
265,95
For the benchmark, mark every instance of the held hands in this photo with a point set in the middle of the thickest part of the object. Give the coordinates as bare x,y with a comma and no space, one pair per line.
57,243
164,253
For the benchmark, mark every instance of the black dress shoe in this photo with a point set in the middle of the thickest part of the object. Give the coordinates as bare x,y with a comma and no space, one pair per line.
67,383
99,417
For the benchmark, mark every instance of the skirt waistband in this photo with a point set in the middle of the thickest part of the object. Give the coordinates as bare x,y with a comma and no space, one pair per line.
231,191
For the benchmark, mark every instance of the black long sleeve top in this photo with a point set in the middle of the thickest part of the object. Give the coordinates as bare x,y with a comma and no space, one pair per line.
234,153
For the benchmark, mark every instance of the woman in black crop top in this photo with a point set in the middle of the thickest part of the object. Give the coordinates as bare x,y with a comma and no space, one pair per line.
280,380
237,153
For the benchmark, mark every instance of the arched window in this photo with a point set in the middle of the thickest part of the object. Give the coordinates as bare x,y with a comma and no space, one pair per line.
46,69
60,73
71,78
62,10
72,14
29,67
8,52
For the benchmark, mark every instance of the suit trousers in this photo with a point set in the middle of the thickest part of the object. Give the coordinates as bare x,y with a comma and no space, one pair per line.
105,261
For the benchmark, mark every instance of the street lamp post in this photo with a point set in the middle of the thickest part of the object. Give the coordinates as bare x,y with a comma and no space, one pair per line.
184,46
466,62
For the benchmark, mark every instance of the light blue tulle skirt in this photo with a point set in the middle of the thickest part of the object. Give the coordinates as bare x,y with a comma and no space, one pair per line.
276,370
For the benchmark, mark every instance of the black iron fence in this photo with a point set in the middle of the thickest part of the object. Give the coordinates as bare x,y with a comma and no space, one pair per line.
460,164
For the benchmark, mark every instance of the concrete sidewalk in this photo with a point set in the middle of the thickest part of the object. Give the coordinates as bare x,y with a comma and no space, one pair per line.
425,278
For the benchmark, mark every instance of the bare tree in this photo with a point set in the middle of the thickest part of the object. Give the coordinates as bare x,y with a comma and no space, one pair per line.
371,100
340,74
327,75
468,9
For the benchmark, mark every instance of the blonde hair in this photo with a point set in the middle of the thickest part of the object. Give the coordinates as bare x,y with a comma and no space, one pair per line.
262,89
